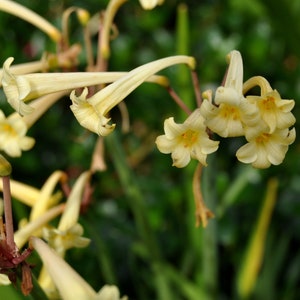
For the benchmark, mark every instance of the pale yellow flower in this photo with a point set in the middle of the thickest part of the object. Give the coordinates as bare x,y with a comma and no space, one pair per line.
274,111
23,88
232,112
91,113
229,120
150,4
13,139
187,140
266,149
67,280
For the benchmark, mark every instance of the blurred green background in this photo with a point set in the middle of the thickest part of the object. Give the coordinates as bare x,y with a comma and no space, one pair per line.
141,218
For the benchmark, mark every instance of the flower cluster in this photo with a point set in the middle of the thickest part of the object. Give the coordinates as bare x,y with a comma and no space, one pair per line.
264,121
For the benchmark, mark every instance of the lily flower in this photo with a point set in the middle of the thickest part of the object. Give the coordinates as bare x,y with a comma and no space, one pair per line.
187,140
150,4
31,17
21,88
275,112
266,148
91,112
232,112
67,280
13,139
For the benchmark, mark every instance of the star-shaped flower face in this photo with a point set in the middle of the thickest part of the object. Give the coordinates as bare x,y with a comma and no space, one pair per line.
266,148
228,120
275,112
187,140
12,135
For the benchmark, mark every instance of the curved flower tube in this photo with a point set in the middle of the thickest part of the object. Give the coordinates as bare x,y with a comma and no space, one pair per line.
91,112
21,88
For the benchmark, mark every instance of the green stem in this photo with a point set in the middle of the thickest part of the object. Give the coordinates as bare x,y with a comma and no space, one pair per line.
209,254
136,201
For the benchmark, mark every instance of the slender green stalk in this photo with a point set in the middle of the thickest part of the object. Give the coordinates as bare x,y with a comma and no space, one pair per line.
183,80
136,202
254,253
194,256
210,236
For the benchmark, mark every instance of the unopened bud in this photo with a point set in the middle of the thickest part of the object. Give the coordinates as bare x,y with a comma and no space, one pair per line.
5,166
83,16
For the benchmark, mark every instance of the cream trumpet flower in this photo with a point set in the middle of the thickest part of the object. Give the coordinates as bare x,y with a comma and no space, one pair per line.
67,280
69,233
91,112
232,112
28,15
266,148
21,88
150,4
187,140
13,139
275,112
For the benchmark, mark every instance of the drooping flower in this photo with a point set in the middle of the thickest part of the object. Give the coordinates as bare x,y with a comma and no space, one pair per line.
13,139
67,280
231,112
92,112
187,140
23,88
266,149
274,111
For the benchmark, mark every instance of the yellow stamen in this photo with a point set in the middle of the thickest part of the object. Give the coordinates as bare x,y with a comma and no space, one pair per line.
262,138
189,137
